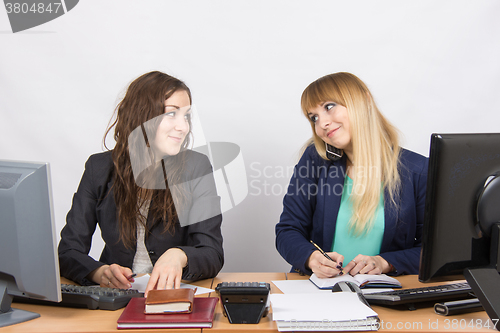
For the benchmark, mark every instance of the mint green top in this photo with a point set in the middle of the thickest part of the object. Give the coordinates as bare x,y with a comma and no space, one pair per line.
348,244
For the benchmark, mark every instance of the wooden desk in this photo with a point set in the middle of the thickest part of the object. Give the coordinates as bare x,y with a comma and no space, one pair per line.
426,320
423,319
59,319
62,319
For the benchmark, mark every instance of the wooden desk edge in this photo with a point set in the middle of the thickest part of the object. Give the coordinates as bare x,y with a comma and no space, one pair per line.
80,320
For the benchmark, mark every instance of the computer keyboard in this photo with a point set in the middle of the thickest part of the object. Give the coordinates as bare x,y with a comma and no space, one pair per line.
91,297
438,293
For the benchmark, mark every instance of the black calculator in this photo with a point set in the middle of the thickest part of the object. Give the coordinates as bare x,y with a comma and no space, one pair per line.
244,302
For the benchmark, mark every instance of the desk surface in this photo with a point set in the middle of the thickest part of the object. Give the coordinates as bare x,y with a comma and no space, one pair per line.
59,319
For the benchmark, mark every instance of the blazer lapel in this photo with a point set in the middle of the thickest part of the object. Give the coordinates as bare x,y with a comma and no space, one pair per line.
332,194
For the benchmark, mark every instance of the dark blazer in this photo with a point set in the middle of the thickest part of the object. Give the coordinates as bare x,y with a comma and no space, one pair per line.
312,202
94,204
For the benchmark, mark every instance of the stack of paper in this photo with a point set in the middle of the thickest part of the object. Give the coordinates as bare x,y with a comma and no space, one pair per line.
341,311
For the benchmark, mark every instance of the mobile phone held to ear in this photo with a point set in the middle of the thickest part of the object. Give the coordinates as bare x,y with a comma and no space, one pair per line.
332,153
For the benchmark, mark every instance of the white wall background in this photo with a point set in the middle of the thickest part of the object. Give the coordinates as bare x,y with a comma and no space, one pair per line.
433,66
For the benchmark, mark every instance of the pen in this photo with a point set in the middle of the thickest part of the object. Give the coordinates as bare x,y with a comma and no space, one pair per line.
327,256
132,276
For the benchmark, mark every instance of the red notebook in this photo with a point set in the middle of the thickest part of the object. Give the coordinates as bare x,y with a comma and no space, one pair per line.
133,315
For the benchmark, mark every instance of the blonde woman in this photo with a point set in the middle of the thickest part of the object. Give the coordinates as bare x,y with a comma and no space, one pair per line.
355,192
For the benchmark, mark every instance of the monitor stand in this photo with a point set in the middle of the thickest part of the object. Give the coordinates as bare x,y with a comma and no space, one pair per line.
8,315
485,282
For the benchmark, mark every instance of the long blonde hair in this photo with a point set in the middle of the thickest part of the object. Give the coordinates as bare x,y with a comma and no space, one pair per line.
375,143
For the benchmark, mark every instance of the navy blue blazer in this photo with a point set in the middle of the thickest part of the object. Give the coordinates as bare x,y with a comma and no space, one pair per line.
94,204
312,202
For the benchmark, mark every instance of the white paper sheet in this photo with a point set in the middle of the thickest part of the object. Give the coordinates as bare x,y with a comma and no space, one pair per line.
319,307
298,287
141,282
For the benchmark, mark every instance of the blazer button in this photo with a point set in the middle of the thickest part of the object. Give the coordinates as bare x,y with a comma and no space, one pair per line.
151,252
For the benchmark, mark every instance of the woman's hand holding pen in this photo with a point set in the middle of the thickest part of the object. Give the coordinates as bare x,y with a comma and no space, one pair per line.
324,267
113,276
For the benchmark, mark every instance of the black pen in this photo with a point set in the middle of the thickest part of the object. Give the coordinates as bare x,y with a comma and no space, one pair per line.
326,255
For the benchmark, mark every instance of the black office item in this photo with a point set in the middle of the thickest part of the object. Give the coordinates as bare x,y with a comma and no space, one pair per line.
347,286
333,153
90,297
462,214
244,302
457,307
409,297
28,239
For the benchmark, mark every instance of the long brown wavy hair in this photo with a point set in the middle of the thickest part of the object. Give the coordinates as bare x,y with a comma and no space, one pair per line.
144,101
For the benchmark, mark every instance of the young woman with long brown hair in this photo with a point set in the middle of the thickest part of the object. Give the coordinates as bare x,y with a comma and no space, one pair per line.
153,199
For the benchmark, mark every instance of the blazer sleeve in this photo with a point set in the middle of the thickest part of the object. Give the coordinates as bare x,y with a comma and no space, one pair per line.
404,251
203,242
293,231
76,236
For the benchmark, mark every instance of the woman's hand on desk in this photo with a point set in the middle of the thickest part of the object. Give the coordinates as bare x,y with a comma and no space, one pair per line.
167,271
324,267
112,276
367,265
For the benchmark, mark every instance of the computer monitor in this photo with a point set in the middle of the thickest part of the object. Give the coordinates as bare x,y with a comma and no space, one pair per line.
29,265
462,214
